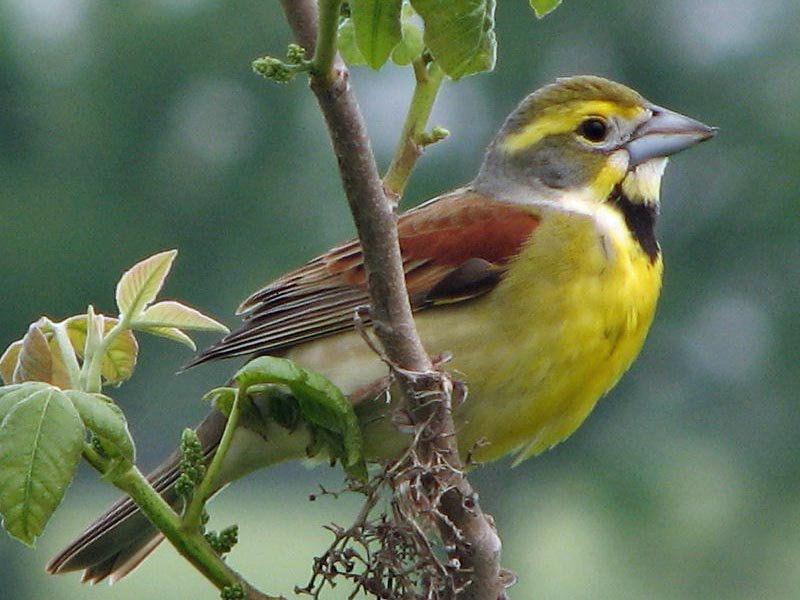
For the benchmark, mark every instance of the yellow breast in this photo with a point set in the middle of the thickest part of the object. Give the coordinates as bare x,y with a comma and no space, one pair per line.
538,351
567,321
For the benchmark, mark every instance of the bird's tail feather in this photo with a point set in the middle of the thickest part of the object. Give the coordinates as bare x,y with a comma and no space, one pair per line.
118,541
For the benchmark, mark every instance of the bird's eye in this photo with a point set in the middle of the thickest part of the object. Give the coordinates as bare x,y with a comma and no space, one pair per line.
593,129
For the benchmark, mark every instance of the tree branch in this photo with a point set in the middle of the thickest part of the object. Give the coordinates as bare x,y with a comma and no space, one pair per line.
374,216
475,544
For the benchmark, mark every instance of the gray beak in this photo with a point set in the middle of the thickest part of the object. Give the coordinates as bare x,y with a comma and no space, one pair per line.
664,134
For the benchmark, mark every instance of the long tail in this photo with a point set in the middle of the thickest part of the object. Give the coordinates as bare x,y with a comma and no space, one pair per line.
118,541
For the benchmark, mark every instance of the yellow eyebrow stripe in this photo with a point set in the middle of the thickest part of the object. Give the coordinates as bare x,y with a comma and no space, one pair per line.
565,117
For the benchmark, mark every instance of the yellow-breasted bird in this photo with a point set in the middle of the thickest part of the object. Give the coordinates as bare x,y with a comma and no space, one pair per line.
541,277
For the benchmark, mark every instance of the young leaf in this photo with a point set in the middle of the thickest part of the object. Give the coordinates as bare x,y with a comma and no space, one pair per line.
346,43
221,399
171,333
377,28
544,7
140,284
175,314
460,34
321,403
120,360
41,439
410,47
104,419
60,376
8,362
34,362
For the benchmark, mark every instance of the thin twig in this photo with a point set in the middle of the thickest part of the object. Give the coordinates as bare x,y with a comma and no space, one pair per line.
469,535
325,50
192,518
428,80
374,217
191,545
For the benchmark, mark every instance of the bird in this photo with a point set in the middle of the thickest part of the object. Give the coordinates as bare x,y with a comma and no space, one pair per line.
540,277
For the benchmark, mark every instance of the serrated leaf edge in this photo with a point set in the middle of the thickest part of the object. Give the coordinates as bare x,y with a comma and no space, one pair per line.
196,320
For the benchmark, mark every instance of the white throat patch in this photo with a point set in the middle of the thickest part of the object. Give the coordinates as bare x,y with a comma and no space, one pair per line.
643,183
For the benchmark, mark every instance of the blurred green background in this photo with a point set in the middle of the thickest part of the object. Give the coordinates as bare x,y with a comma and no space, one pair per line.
132,127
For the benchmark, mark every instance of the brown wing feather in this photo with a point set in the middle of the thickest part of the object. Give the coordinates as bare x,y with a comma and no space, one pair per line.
454,248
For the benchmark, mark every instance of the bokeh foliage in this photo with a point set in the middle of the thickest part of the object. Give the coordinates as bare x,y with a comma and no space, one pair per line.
128,128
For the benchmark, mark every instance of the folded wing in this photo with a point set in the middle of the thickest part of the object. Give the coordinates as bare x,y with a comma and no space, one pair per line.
454,248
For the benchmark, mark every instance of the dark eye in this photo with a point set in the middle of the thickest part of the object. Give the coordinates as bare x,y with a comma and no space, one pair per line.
593,129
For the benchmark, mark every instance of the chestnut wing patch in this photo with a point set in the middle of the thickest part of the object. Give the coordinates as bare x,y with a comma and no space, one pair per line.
454,248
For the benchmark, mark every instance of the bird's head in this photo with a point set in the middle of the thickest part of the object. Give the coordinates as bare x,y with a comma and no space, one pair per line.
585,137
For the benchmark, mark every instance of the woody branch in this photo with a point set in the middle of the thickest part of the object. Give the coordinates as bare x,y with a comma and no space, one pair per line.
473,544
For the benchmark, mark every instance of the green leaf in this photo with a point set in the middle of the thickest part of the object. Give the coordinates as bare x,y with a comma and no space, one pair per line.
221,399
8,362
377,28
41,439
268,369
346,43
104,419
34,362
140,284
29,360
175,314
120,360
410,47
321,403
171,333
459,34
544,7
11,395
60,376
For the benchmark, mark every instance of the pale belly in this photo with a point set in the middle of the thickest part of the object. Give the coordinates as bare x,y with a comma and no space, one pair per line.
537,352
